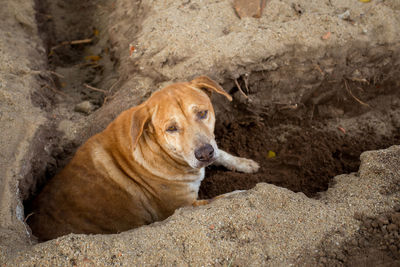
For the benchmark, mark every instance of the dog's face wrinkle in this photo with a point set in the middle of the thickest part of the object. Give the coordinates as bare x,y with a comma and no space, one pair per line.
179,128
151,142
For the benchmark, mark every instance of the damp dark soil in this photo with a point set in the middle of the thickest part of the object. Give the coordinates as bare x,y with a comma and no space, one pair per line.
306,161
298,151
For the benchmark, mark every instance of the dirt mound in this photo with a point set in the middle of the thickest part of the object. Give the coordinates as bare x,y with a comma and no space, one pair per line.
268,225
375,244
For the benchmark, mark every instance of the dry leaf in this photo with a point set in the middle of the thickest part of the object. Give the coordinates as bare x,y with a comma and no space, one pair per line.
249,8
93,58
341,129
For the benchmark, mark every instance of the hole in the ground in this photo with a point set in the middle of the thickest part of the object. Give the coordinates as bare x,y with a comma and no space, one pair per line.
80,63
302,147
299,147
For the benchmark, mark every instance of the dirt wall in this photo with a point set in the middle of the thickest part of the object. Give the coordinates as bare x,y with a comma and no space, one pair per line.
23,59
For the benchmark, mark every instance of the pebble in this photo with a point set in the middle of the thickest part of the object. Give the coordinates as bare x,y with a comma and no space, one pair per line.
396,218
392,227
393,248
345,15
84,107
382,221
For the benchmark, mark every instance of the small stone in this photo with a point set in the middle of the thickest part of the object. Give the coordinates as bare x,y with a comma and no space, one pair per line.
396,218
249,8
392,227
393,248
84,107
382,221
354,242
345,15
340,256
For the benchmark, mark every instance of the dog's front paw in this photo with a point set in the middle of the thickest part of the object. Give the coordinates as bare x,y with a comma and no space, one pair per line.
247,166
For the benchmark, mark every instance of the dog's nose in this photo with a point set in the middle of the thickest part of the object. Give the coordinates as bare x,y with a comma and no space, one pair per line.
204,153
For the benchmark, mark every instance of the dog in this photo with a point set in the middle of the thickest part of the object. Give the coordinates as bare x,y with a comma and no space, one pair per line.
147,163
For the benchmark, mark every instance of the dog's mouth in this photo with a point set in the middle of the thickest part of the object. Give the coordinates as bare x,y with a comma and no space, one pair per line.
202,164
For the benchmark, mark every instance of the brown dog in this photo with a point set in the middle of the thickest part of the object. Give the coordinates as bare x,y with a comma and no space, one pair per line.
147,163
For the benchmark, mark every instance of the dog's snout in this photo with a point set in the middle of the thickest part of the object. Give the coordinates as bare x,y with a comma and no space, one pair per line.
204,153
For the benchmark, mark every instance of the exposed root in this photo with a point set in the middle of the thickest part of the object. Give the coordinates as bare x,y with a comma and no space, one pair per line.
74,42
358,100
240,89
95,89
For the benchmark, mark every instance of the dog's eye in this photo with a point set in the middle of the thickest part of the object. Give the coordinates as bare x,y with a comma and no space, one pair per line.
172,128
202,114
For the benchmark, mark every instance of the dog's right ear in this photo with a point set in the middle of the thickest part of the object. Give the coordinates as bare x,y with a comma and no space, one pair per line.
209,86
139,119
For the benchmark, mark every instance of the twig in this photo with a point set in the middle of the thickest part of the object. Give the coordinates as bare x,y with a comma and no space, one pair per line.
41,72
288,106
358,100
240,89
56,90
57,74
27,216
361,80
319,69
84,41
112,86
74,42
107,98
246,84
95,89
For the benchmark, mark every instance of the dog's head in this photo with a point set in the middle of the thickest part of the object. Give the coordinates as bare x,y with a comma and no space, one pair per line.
180,119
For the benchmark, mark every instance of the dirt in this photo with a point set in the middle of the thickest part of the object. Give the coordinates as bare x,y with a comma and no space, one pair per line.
375,244
306,160
309,144
305,107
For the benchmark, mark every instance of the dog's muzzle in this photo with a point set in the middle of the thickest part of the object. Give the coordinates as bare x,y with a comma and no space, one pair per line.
204,153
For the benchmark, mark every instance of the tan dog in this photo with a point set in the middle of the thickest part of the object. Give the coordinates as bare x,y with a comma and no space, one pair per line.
147,163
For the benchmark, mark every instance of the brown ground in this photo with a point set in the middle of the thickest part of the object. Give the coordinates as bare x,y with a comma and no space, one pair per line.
317,104
309,152
376,244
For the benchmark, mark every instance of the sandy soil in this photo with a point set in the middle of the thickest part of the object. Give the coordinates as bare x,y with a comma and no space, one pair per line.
317,100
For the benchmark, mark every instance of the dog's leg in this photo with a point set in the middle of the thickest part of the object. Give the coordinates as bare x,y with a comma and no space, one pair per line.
202,202
236,163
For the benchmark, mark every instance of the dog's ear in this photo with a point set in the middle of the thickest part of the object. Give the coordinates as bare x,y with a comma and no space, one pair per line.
209,86
139,120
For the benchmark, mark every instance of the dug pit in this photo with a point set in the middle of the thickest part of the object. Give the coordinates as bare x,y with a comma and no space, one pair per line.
304,107
299,147
302,147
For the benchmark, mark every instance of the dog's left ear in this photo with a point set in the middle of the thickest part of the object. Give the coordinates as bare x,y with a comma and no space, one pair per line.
139,119
208,86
